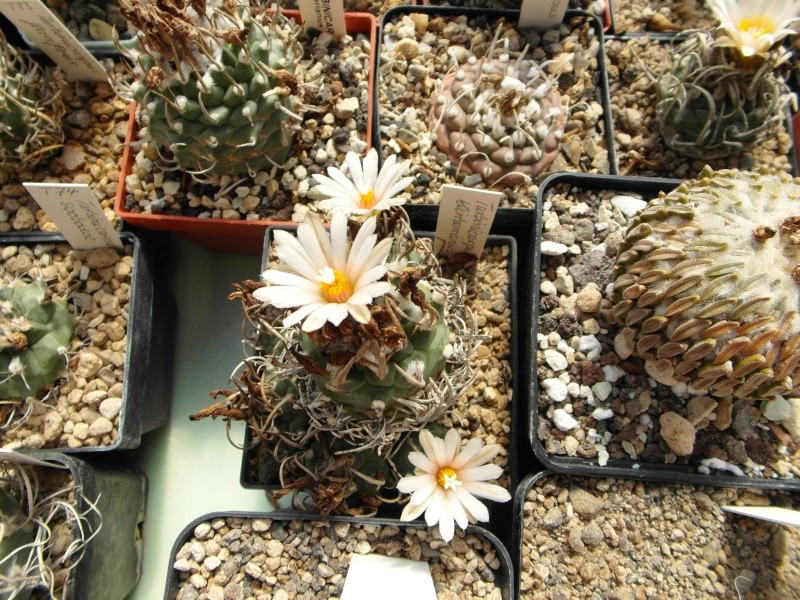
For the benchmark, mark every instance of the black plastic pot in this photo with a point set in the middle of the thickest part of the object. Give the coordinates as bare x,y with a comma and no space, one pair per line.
504,575
499,522
511,16
112,560
648,188
148,358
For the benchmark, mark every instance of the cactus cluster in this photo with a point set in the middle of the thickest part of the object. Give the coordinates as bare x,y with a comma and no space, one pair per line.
707,285
216,80
31,109
709,106
499,118
35,334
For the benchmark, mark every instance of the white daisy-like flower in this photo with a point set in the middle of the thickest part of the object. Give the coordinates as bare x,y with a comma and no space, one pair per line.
755,26
447,483
324,276
366,191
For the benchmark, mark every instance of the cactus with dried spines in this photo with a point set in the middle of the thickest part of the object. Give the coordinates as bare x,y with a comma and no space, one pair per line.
499,118
707,285
31,109
217,82
35,334
709,106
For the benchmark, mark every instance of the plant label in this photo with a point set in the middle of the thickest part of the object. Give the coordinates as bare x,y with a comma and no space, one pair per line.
773,514
77,214
372,576
542,14
465,217
45,30
323,15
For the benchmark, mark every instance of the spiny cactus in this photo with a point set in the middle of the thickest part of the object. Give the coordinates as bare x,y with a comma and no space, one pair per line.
35,333
31,109
708,106
707,285
499,118
17,534
217,82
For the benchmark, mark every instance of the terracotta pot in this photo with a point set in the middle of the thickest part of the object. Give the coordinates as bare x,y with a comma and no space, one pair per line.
226,235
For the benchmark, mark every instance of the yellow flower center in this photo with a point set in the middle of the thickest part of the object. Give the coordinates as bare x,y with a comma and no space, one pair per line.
447,478
335,286
757,25
368,200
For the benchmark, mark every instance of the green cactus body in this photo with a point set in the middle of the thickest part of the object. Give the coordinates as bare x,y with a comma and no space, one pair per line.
423,356
15,536
710,108
230,117
35,333
30,110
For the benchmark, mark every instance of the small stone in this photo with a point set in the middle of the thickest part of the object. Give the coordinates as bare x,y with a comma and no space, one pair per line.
563,282
661,370
72,156
586,504
601,414
724,413
81,431
53,426
553,518
631,120
698,408
555,360
555,388
592,536
678,433
549,248
624,343
101,257
346,108
88,365
563,420
100,426
628,205
274,548
601,390
777,409
589,298
101,31
408,47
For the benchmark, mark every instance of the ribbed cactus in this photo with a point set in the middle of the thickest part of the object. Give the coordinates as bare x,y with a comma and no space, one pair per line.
217,82
35,333
707,285
499,118
711,107
31,109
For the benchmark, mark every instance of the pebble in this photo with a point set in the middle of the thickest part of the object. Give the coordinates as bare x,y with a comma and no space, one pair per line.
589,298
601,414
552,248
677,432
777,409
563,420
555,360
628,205
556,389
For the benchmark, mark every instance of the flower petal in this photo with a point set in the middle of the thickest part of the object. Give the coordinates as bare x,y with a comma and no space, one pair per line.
452,444
359,312
474,507
284,278
411,483
446,524
434,509
371,169
318,318
464,458
481,473
356,172
490,491
422,462
300,314
339,241
412,511
427,441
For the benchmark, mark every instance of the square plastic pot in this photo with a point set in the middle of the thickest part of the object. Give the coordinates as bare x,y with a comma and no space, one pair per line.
147,380
648,188
236,236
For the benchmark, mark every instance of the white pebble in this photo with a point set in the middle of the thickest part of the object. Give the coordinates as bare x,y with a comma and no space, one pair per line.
777,409
602,455
555,360
563,420
553,248
612,373
628,205
720,465
601,390
590,346
601,414
556,389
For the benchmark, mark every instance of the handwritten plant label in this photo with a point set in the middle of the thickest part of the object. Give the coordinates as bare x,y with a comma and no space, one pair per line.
465,217
45,30
77,214
542,14
323,15
372,576
773,514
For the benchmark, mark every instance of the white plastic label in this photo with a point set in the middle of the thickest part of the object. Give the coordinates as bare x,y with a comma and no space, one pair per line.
542,14
372,576
77,214
323,15
774,514
45,30
465,217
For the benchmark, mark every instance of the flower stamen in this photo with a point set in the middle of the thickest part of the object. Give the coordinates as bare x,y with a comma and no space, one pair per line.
756,25
334,285
447,478
368,200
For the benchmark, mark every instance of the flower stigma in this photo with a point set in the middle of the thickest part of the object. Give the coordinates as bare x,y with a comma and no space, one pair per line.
447,478
334,285
757,25
368,200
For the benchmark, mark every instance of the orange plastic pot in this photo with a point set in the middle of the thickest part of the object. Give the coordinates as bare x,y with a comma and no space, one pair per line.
236,236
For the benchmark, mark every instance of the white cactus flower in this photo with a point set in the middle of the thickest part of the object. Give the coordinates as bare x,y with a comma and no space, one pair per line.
447,483
755,26
367,191
324,276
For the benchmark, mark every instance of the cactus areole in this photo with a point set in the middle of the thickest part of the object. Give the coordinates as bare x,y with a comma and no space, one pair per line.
217,83
707,285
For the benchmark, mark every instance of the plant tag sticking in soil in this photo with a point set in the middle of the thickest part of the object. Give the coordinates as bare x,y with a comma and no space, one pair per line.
77,214
465,217
323,15
45,30
542,14
371,576
774,514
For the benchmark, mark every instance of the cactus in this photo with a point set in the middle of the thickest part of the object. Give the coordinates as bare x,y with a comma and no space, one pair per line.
18,533
707,285
35,333
217,83
31,109
500,119
708,106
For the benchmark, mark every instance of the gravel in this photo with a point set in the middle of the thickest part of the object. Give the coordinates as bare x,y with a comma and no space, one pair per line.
626,540
273,559
661,16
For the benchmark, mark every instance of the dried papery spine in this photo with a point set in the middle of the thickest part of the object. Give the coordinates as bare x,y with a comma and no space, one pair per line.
722,315
218,82
31,109
498,117
709,106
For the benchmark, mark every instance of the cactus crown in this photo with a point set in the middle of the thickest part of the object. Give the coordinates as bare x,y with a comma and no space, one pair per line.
497,117
31,109
217,82
707,285
35,334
